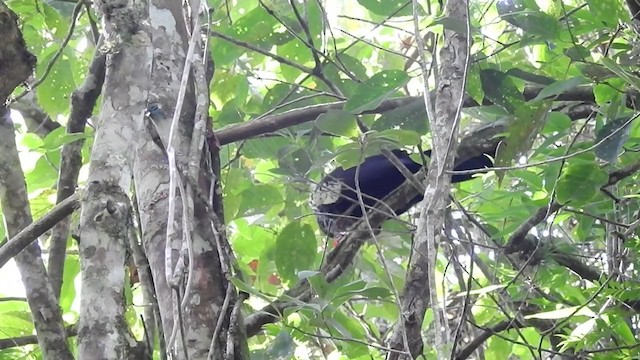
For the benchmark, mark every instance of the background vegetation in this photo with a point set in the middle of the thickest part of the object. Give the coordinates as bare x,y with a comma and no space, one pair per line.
301,88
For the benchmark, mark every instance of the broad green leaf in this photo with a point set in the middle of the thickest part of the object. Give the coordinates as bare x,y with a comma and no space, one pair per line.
560,87
281,348
59,137
594,71
501,90
371,93
608,93
528,121
31,141
296,52
250,241
497,347
556,122
411,116
580,183
349,155
318,283
351,328
623,73
530,77
259,199
256,27
56,24
53,93
294,160
338,122
15,323
335,72
607,11
621,328
613,136
45,173
401,137
390,7
244,287
295,250
577,53
230,114
526,15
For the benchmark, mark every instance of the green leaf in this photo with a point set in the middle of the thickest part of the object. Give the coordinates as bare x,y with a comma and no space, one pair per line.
606,11
529,120
578,53
294,160
53,93
616,133
594,71
230,114
295,250
68,290
390,7
400,137
258,199
44,175
56,23
244,287
412,116
560,87
526,15
530,77
58,137
562,313
338,122
250,241
556,122
500,89
31,141
281,348
623,73
371,93
297,52
349,155
255,27
347,326
580,183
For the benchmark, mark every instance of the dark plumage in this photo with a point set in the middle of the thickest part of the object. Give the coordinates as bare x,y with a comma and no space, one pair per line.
335,201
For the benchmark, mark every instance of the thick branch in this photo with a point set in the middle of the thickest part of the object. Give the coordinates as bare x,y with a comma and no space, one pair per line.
31,233
272,123
83,101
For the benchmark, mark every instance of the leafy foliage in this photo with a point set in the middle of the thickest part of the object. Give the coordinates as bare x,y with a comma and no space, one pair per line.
537,64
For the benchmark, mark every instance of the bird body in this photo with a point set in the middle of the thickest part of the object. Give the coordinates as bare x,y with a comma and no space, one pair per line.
335,199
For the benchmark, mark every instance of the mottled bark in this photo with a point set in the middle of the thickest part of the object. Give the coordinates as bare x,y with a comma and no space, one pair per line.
83,100
43,304
105,218
202,305
420,286
16,64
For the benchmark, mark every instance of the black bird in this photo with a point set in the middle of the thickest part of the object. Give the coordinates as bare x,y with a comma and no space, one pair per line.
335,201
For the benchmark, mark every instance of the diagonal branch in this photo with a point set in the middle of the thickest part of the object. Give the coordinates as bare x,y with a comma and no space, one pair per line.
338,260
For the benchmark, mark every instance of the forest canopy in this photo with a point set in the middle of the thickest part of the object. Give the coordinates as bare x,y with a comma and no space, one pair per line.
157,164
